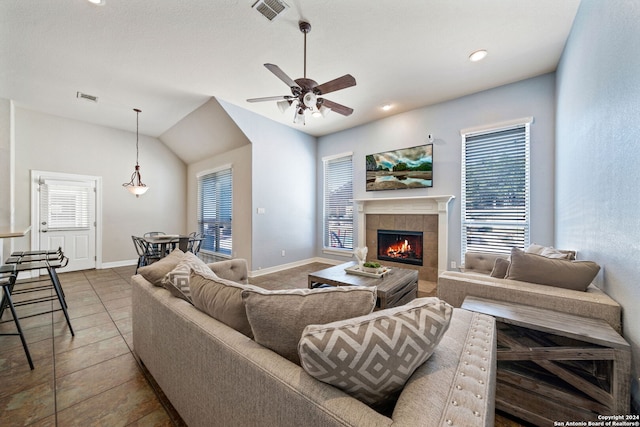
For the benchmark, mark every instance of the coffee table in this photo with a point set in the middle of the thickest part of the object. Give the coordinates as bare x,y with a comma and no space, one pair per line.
555,366
397,287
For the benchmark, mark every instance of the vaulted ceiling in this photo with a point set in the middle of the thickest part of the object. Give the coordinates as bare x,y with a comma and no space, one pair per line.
169,57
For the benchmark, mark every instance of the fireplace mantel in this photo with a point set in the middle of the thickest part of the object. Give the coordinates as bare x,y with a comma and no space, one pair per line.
421,205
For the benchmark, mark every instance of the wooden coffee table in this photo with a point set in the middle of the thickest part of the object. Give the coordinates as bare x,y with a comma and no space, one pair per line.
397,287
555,366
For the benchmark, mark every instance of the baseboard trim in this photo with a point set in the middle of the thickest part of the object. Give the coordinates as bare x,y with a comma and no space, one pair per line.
116,264
278,268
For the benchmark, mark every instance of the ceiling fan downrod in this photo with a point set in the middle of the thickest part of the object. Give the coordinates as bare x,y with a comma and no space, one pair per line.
305,27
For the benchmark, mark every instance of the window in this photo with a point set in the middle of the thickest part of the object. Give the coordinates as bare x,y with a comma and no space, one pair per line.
215,207
495,188
338,202
65,205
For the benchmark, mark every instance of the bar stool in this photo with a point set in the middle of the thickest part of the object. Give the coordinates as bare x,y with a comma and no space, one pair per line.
7,280
14,287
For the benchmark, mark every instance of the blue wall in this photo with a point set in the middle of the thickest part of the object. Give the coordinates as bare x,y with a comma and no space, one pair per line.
531,97
598,151
283,178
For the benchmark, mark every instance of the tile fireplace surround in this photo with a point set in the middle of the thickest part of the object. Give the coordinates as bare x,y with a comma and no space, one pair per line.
429,214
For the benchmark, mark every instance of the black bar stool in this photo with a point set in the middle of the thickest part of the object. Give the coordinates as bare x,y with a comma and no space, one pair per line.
14,288
7,280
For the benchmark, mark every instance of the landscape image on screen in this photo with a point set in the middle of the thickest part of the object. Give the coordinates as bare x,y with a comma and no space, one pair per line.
400,169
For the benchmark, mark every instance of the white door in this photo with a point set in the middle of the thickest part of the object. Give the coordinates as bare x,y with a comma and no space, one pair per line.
67,219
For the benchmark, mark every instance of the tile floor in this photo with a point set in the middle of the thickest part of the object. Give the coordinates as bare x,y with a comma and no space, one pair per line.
94,378
90,379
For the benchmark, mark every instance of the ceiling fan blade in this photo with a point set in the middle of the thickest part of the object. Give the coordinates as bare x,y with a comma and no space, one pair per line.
271,98
336,84
338,108
282,76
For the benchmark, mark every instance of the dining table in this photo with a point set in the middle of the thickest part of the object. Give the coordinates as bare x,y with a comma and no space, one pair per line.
162,242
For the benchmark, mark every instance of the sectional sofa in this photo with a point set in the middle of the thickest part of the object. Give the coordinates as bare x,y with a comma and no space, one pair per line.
214,375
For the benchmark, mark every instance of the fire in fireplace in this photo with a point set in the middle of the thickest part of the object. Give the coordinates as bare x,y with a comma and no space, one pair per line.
400,246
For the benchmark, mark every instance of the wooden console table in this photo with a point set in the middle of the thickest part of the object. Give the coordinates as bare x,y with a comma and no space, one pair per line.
554,366
395,288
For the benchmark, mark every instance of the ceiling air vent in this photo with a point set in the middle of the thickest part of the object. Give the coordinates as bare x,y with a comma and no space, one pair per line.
86,97
270,9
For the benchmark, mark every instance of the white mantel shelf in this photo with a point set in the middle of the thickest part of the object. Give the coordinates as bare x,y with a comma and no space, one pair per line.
420,205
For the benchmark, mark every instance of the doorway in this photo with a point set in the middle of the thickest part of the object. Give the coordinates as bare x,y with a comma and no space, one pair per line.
64,211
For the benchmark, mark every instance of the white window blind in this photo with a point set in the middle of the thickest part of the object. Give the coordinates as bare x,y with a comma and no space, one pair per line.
338,202
495,189
65,206
215,208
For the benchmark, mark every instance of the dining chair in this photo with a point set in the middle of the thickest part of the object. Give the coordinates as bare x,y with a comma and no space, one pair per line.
195,239
146,252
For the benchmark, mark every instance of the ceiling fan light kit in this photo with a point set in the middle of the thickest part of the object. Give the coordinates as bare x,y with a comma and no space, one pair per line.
306,94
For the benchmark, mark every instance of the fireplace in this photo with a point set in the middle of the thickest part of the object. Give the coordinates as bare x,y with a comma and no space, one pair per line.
400,246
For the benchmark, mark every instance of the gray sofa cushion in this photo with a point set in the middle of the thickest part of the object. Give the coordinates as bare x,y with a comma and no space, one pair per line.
220,299
278,318
155,272
371,357
576,275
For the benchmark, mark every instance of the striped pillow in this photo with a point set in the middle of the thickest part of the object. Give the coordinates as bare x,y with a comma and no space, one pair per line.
372,357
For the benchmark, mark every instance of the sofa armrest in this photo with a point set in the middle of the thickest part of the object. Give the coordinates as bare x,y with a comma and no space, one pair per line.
463,372
453,287
235,270
480,262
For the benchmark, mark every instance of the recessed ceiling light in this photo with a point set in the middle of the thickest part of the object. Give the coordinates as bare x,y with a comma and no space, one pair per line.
387,107
478,55
98,2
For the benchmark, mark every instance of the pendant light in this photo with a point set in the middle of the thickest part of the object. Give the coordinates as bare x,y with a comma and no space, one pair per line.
135,186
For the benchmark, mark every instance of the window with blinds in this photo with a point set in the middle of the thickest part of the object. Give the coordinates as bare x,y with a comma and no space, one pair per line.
65,206
215,207
495,189
338,202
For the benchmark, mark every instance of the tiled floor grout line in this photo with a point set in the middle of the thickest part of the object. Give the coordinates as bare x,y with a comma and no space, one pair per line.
137,361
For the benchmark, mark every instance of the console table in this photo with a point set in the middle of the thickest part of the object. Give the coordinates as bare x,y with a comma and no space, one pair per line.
554,366
395,288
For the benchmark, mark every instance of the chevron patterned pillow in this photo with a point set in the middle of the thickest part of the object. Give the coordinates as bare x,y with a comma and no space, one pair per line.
371,357
177,280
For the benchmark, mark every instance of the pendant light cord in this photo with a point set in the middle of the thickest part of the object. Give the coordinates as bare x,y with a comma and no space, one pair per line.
137,131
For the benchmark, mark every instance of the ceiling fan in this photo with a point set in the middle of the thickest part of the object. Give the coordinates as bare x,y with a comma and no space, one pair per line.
306,94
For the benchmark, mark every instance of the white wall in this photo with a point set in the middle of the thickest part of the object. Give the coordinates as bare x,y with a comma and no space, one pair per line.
49,143
240,160
283,182
532,97
6,173
598,152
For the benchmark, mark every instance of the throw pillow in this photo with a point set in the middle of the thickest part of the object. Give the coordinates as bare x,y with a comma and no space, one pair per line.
576,275
500,267
177,280
372,357
220,299
551,252
277,318
155,272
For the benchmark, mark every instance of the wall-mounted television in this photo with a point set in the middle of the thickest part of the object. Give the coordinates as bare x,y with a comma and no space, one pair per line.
400,169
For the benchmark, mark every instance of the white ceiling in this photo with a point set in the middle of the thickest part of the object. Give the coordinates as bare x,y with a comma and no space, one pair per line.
168,57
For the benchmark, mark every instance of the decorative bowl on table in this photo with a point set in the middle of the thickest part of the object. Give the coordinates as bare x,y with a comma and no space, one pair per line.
372,267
